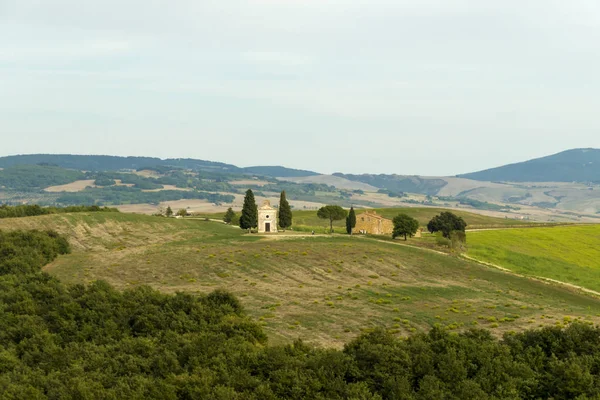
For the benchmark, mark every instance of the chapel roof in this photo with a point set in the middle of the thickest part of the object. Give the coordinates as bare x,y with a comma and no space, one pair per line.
372,214
266,205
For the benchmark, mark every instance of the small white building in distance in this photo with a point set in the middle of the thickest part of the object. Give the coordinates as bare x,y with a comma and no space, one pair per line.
267,218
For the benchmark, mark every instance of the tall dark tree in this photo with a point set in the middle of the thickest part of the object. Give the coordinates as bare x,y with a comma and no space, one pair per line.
229,216
249,218
350,221
446,223
405,225
169,212
332,213
285,212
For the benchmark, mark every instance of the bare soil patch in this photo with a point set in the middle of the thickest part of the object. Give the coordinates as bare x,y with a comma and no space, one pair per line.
195,206
146,173
118,182
249,182
72,187
168,187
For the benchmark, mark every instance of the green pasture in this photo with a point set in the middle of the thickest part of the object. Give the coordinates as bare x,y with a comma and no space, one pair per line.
565,253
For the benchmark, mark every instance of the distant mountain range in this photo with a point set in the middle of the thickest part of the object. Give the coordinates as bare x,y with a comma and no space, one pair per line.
566,182
115,163
577,165
398,183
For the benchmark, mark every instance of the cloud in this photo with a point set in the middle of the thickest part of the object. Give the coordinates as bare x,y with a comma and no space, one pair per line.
435,74
67,50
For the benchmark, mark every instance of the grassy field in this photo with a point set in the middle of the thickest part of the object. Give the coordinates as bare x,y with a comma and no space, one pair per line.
325,289
566,253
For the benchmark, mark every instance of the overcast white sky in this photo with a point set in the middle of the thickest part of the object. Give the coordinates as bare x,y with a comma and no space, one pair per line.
431,87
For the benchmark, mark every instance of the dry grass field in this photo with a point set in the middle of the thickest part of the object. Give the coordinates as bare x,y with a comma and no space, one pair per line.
72,187
326,289
168,187
249,182
146,173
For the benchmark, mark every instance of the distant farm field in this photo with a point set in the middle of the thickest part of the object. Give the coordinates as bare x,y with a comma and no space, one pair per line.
76,186
565,253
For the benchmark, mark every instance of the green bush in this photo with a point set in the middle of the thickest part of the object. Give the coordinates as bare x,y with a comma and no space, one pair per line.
440,240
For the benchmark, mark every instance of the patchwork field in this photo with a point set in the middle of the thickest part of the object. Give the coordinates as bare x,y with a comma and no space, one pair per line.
325,289
566,253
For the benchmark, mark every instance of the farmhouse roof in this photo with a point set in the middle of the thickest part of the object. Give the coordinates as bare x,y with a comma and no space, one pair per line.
372,214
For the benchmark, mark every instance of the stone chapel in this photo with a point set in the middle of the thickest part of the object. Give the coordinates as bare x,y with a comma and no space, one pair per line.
267,218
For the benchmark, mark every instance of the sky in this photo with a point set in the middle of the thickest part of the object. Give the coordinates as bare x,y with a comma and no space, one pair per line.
428,87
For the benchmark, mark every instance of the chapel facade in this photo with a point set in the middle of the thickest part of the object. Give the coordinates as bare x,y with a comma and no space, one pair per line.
267,218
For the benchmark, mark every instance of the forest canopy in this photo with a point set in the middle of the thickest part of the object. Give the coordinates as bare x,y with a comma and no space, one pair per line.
35,177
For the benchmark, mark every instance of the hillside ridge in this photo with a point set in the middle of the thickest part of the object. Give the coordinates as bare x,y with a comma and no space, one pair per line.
90,162
575,165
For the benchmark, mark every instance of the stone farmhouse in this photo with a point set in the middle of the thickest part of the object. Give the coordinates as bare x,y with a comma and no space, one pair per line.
372,223
267,218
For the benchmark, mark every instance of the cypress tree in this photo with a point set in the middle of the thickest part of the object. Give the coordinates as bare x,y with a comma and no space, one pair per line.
350,221
285,212
249,217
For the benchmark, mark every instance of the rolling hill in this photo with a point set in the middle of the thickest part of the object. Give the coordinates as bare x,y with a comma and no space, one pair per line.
399,183
325,289
278,171
514,191
116,163
577,165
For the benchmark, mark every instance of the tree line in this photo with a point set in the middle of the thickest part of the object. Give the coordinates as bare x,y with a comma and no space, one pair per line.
7,211
61,341
116,195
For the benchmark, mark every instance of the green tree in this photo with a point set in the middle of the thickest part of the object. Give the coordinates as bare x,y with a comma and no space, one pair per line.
446,222
249,218
182,212
285,212
350,221
169,212
229,216
332,213
404,225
